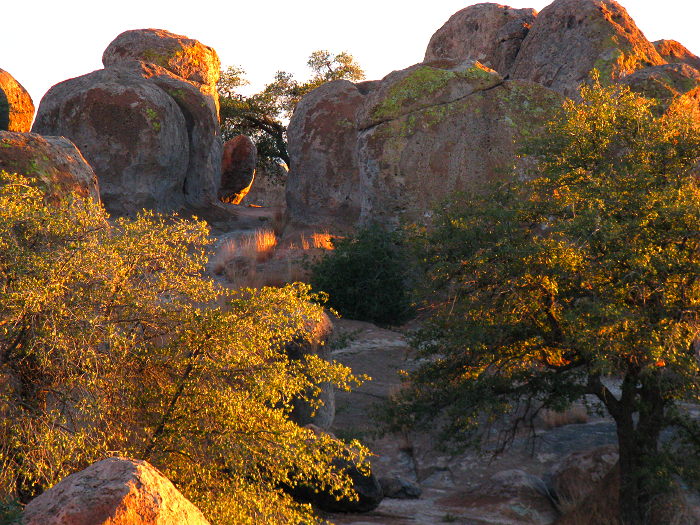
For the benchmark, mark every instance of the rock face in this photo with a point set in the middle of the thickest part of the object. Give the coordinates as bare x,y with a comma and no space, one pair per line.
237,169
571,37
54,161
114,491
666,82
147,123
489,33
389,149
16,106
576,476
675,52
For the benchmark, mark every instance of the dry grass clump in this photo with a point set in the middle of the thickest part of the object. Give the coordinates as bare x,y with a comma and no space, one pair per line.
259,259
553,419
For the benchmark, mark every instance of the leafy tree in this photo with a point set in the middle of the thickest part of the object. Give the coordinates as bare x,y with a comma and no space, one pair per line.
112,341
263,115
582,279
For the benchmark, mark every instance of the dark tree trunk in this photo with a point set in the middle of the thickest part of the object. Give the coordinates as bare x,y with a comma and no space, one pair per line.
638,441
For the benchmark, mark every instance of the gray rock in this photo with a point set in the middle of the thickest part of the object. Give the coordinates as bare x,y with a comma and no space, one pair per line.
489,33
571,37
237,169
399,488
131,132
54,162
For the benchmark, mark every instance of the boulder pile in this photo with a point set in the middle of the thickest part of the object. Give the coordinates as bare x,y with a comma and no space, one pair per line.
492,75
147,123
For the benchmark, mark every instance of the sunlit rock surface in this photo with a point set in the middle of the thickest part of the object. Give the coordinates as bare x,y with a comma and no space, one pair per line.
489,33
151,135
16,106
113,491
54,162
675,52
237,169
571,37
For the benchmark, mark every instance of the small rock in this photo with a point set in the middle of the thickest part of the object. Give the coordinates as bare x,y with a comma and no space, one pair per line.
114,491
237,169
399,488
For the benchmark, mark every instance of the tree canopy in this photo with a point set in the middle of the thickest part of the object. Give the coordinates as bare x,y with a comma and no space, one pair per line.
113,342
263,116
580,280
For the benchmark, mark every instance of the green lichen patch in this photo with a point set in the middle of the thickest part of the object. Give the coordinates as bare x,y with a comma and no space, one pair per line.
153,118
425,83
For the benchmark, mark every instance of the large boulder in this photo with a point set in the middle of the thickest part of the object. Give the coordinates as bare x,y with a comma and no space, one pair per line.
131,132
489,33
148,123
237,169
16,106
675,52
54,162
569,38
393,148
113,491
323,180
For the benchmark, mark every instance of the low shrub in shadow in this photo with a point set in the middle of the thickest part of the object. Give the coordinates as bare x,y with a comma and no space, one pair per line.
366,276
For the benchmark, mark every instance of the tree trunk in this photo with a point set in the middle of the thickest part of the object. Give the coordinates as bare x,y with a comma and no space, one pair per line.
639,456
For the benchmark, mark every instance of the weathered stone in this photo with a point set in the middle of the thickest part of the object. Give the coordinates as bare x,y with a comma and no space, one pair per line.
411,162
569,38
237,169
365,484
399,488
576,476
148,123
185,57
16,106
130,131
113,491
323,180
53,161
489,33
664,83
406,142
675,52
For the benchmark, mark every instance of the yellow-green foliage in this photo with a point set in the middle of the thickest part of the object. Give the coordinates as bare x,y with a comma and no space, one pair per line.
112,342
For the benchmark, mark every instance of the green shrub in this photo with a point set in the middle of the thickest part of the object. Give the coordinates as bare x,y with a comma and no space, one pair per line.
366,276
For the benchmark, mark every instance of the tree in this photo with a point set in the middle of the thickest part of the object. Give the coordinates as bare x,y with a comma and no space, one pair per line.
584,278
263,116
112,341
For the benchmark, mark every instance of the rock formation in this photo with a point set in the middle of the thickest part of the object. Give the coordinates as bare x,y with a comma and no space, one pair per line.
53,161
675,52
571,37
390,149
113,491
489,33
237,169
16,106
147,123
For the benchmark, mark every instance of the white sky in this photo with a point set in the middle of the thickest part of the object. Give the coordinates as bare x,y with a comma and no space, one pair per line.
47,41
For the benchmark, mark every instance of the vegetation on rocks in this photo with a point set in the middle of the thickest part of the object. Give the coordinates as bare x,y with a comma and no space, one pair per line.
583,280
112,342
